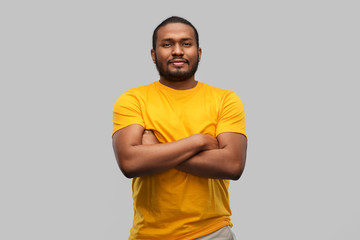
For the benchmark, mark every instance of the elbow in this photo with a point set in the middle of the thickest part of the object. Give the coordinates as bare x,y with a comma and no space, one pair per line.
237,170
131,167
126,164
236,175
126,169
127,173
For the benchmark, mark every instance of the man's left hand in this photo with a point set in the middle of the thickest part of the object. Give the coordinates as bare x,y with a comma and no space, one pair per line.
149,137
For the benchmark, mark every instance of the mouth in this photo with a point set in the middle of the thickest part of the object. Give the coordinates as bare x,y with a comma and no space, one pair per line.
178,62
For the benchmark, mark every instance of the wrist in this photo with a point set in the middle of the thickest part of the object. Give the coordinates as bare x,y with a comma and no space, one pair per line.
205,142
199,141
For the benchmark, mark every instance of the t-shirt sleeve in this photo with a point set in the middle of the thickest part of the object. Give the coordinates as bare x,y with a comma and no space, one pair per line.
127,111
231,115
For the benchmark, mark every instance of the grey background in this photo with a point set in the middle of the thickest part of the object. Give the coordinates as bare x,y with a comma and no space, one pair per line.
294,64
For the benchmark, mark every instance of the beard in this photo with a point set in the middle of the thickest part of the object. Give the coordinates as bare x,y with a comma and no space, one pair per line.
177,75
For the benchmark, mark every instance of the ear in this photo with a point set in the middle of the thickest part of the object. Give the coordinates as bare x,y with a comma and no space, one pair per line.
199,53
153,55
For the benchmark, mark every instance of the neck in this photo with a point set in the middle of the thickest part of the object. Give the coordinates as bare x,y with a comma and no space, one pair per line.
179,85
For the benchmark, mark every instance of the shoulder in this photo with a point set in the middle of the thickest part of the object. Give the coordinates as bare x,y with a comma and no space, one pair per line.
140,90
133,97
218,92
136,92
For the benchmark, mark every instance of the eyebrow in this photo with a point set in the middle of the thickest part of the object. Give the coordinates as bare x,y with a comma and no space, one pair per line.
171,39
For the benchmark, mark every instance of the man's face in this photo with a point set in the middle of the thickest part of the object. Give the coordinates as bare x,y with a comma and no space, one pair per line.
177,55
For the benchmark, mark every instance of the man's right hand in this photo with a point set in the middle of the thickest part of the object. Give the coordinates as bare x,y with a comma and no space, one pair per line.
138,154
209,142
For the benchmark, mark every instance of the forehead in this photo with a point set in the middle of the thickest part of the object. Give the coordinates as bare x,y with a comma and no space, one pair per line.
175,31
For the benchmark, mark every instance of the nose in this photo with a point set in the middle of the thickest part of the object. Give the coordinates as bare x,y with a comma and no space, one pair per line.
177,50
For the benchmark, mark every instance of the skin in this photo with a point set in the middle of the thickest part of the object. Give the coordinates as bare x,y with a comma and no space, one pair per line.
137,150
219,162
175,44
136,159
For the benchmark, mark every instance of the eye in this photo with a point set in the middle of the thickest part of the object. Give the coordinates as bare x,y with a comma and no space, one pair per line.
187,44
166,45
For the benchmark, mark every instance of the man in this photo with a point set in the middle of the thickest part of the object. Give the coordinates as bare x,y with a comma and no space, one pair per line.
181,141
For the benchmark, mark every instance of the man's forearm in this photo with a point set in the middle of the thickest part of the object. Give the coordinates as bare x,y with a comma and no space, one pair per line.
136,159
213,164
227,162
143,160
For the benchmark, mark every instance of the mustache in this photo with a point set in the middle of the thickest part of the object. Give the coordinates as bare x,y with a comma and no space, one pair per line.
178,59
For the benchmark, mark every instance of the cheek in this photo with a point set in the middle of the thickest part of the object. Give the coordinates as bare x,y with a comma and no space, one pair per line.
161,58
193,55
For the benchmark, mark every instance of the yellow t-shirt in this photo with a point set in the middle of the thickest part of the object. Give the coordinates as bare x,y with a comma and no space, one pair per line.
177,205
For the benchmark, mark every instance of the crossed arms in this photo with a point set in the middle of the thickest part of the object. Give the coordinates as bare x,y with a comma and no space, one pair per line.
138,154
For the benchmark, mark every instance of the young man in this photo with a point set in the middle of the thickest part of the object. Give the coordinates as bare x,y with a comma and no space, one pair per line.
181,141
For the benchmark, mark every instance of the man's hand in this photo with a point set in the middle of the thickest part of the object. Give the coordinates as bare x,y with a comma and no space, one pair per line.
149,137
209,142
138,153
226,162
214,161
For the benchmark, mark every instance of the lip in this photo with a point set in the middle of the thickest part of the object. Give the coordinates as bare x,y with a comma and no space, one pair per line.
178,64
178,61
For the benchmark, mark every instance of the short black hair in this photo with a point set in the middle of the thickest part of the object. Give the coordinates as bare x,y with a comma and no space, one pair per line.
174,19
